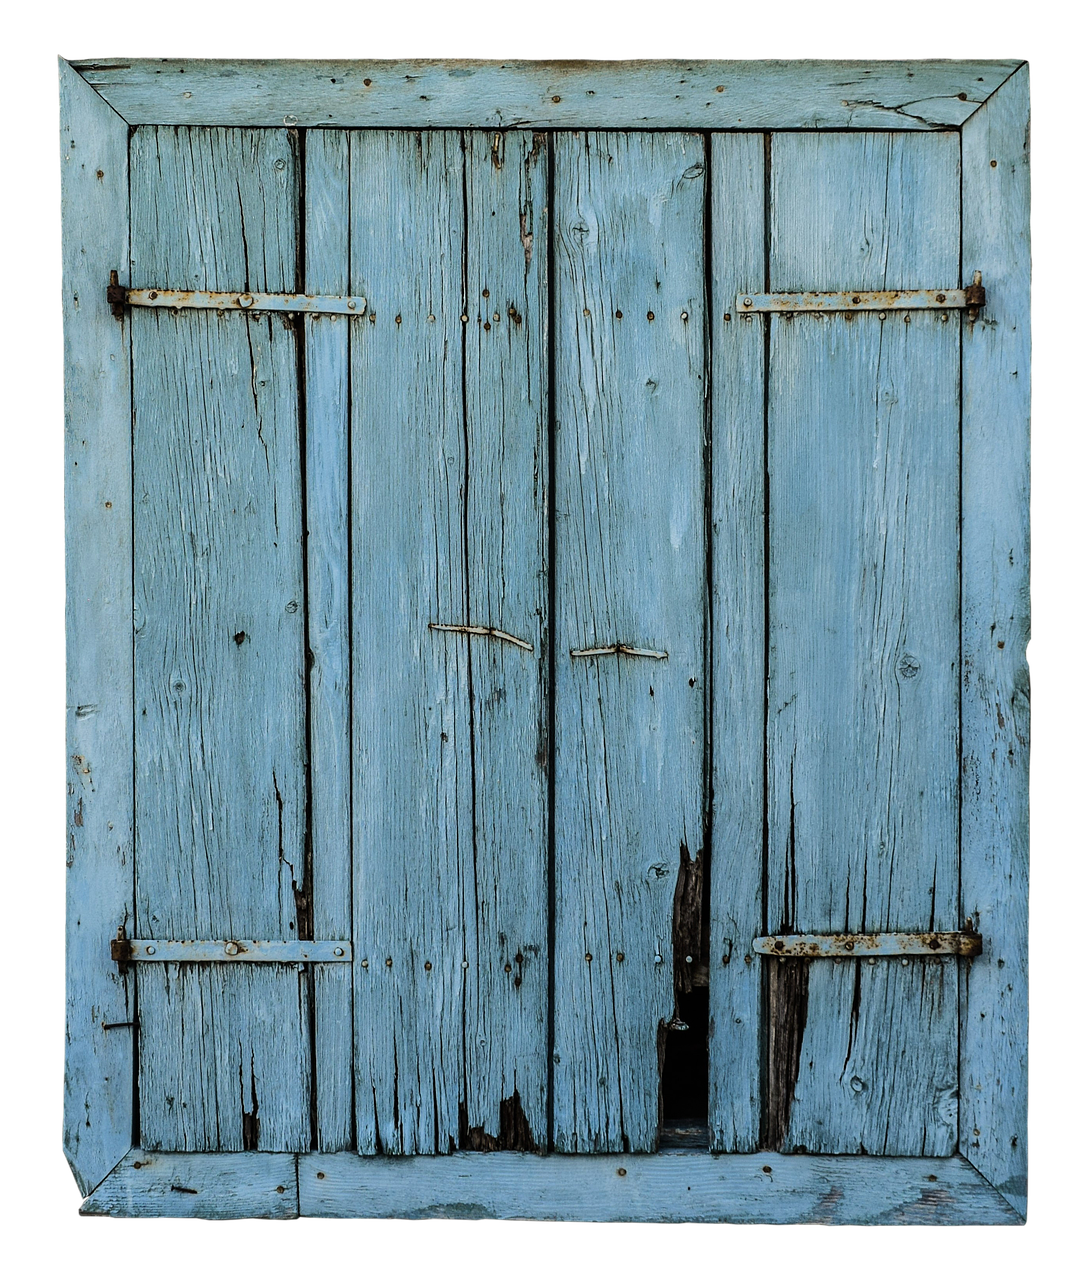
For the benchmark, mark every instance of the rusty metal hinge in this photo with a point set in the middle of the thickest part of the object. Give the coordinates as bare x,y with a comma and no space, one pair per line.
229,950
817,946
970,300
119,297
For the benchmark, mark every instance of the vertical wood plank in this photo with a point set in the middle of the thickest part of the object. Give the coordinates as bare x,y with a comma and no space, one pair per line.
99,1009
863,638
737,640
326,339
506,519
630,550
413,853
995,632
220,716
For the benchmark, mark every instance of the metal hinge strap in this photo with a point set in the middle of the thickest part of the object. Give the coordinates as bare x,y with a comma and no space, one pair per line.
821,945
229,950
119,297
970,299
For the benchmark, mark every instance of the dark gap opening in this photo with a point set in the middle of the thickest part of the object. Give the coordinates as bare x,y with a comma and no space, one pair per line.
683,1042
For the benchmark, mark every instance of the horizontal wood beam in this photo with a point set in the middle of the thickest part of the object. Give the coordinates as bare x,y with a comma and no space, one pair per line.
547,95
677,1186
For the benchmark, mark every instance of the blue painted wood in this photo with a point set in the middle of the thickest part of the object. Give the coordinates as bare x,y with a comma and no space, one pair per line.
995,631
421,94
670,1187
219,649
98,625
506,553
170,1184
325,341
880,1014
736,642
863,634
412,749
630,566
449,521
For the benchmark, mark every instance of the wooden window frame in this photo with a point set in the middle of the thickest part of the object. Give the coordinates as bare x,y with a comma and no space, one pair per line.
988,103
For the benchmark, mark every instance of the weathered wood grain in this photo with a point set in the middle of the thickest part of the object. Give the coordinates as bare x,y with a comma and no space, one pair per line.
736,641
175,1185
422,94
449,472
219,650
325,345
630,549
506,552
669,1187
863,634
98,624
413,798
995,631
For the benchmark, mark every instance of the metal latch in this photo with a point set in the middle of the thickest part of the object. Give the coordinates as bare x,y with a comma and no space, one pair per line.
817,946
229,950
119,297
970,300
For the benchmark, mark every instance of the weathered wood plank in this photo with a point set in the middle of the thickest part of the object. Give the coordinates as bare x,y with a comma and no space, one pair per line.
413,800
423,94
175,1185
630,554
506,551
737,641
326,339
98,624
863,641
995,631
670,1187
219,651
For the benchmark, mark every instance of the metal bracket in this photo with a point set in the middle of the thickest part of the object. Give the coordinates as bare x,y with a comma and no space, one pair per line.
300,951
120,297
817,946
970,300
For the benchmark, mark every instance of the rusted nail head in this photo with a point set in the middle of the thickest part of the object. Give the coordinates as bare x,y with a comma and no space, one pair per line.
153,294
588,957
427,965
245,300
940,297
849,946
621,1173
